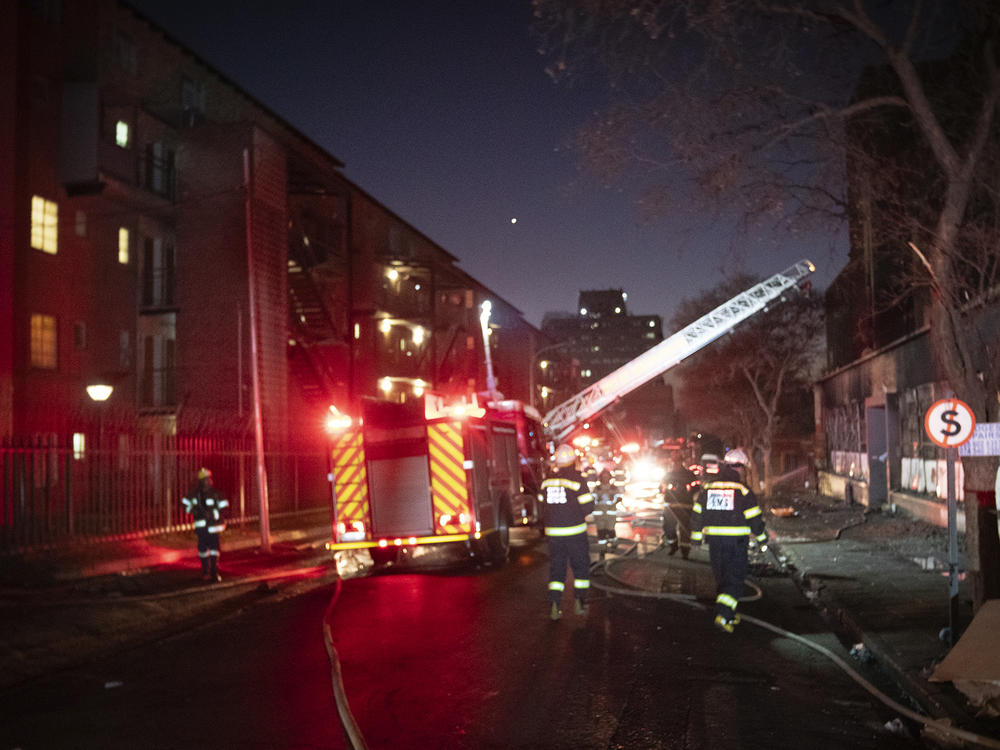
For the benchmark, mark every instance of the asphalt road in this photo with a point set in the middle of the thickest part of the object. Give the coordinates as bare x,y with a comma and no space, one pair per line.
464,659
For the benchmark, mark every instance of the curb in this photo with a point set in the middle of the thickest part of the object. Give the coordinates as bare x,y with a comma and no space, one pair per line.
934,703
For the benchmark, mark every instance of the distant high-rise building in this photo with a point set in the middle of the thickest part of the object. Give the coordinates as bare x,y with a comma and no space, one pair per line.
602,336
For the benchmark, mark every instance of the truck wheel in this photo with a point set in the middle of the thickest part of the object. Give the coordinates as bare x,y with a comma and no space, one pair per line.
500,538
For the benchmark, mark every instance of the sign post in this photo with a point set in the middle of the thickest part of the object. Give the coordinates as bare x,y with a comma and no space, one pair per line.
950,423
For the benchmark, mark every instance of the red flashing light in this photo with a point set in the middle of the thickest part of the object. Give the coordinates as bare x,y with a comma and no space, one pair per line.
337,421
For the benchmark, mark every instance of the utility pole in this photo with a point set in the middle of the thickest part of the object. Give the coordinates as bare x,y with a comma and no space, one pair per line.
265,518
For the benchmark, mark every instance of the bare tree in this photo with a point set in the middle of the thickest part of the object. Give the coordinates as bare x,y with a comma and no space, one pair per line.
757,102
753,384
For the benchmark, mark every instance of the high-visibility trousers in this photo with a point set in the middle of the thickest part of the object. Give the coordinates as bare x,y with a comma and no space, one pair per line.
728,555
208,542
574,550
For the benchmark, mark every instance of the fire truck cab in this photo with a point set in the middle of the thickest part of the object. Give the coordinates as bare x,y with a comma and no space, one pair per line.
425,482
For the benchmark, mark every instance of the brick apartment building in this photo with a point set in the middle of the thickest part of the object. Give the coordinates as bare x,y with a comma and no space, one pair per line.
164,233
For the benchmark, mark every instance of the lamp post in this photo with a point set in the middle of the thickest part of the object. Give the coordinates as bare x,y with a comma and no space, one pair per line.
99,393
485,310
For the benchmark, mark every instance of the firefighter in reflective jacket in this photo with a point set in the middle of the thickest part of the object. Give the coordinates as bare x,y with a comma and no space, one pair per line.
205,505
567,503
726,515
606,502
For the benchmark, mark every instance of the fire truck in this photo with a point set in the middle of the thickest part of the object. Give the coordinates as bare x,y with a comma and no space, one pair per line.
428,481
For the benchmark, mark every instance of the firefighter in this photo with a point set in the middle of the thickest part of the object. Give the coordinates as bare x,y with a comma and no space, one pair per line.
204,503
568,501
606,500
726,515
679,487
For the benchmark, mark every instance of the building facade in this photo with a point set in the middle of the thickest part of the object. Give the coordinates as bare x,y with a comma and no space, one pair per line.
602,336
164,233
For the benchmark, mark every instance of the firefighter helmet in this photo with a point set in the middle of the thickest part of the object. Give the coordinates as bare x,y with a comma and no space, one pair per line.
565,455
204,473
737,457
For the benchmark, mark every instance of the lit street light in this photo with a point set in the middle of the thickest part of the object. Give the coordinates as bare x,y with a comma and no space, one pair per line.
99,393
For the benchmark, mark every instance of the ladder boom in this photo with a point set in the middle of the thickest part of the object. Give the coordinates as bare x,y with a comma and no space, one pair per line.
565,417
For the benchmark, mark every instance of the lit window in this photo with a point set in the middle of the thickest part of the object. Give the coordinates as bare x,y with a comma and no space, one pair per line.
122,133
418,335
79,445
43,341
44,225
123,237
357,330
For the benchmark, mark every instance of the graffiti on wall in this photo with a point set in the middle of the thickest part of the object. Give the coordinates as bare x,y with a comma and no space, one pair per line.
925,476
850,464
930,476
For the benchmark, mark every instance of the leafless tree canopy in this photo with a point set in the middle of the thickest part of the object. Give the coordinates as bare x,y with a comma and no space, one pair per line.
787,109
880,111
754,384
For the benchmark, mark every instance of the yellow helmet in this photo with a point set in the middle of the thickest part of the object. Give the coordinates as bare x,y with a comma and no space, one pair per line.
565,455
204,473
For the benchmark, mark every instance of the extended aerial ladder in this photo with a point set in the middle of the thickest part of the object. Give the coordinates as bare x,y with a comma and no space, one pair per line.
560,422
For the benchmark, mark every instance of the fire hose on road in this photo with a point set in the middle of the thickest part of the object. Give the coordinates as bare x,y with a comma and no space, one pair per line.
623,589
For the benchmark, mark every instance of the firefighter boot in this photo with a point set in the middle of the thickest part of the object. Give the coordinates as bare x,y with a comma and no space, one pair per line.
581,607
555,613
204,569
213,574
723,624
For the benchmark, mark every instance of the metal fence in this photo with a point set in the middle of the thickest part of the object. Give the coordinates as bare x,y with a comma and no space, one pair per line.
54,494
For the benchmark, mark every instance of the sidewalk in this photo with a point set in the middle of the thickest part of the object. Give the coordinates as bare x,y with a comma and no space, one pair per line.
883,578
63,608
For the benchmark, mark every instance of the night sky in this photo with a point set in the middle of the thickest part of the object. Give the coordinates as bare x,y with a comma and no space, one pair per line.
443,112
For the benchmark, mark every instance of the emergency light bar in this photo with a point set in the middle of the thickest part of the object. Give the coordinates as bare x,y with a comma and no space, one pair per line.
564,418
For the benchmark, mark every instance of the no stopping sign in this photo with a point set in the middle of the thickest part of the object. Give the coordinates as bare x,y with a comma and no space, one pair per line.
949,422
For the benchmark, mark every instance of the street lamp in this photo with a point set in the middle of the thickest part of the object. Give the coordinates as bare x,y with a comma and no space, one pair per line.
485,310
99,393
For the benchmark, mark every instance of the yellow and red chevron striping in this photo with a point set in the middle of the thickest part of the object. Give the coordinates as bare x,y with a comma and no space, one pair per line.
449,489
350,478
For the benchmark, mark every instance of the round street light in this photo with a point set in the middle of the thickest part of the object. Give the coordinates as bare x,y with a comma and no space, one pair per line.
99,391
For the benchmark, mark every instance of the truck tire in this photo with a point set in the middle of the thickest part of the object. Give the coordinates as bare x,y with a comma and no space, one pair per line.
500,538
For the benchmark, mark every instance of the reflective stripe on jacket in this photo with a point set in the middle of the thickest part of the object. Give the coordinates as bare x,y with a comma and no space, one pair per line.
726,509
205,504
567,503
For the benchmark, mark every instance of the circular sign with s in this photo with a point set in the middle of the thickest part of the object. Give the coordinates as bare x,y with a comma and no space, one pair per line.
949,422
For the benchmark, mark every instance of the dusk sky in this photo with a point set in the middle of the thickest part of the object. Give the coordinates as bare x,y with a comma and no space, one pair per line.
443,112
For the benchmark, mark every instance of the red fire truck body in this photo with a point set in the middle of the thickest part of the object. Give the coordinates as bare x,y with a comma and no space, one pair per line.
425,482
